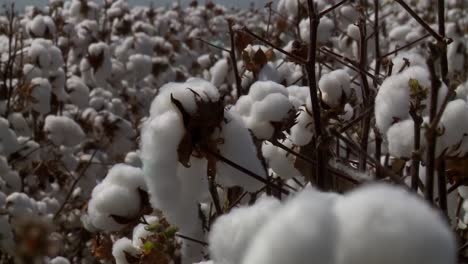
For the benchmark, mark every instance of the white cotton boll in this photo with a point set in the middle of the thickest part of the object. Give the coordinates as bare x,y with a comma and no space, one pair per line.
274,107
349,12
133,159
57,79
400,138
399,33
41,93
31,71
348,112
118,107
243,105
39,54
20,206
41,26
204,61
260,90
462,91
78,92
280,161
238,146
353,31
59,260
9,177
56,58
140,232
219,72
454,122
19,125
268,73
8,140
232,233
368,229
456,57
334,86
122,247
298,95
140,65
324,31
302,231
301,132
62,130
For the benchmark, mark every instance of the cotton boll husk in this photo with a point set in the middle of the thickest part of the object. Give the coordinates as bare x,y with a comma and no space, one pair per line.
238,146
41,93
122,247
302,231
418,235
280,161
62,130
232,233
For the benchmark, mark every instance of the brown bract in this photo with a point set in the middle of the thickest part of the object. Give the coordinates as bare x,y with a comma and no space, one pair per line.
199,128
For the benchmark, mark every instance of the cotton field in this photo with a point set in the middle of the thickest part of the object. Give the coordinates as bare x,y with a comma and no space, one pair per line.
301,131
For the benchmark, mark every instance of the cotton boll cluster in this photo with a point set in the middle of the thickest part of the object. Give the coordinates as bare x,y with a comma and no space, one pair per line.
231,234
335,87
323,227
41,26
117,196
62,130
266,103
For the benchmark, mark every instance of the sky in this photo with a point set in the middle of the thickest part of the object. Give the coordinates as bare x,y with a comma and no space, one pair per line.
239,3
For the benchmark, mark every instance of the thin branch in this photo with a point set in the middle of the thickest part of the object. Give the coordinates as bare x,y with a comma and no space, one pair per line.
403,47
232,54
331,8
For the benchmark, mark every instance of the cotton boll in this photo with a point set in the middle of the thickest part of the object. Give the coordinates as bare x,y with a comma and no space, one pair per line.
455,126
334,86
303,230
126,176
415,59
419,235
324,30
238,146
268,73
400,138
78,92
57,80
301,132
10,178
281,162
219,72
59,260
140,66
31,71
41,93
232,233
121,248
140,232
62,130
41,26
8,140
19,125
204,61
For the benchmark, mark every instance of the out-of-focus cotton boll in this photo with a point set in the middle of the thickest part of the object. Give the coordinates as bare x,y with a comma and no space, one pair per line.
10,180
62,130
41,91
59,260
57,79
231,234
219,72
454,122
8,140
307,228
324,31
78,92
41,26
335,87
19,125
140,66
369,214
121,248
